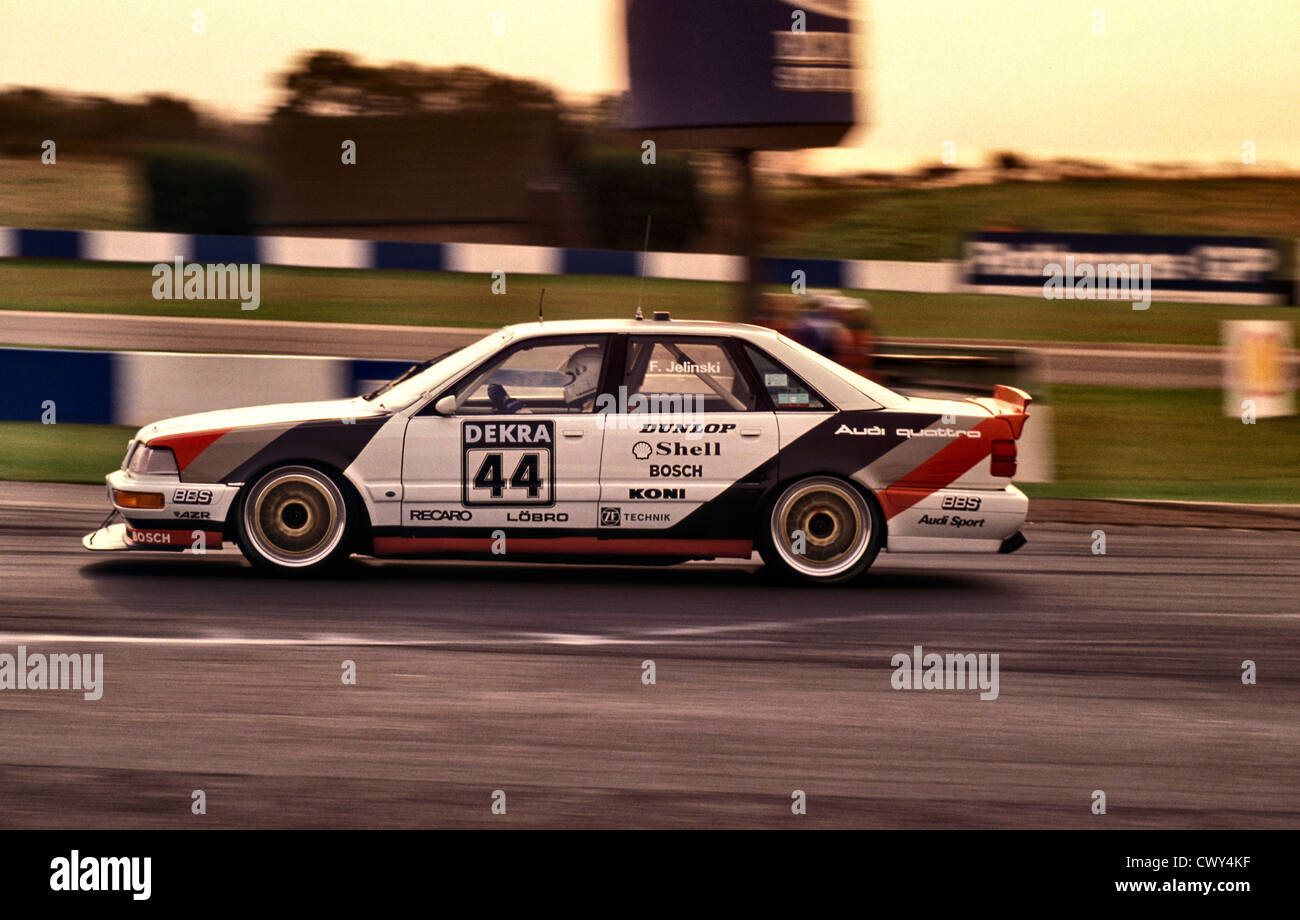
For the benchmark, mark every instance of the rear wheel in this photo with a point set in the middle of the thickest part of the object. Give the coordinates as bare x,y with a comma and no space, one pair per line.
294,519
822,530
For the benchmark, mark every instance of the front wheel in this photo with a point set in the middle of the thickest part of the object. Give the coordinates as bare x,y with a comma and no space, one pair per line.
822,530
293,519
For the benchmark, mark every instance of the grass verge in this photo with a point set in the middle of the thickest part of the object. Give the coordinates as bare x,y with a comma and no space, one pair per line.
453,299
61,453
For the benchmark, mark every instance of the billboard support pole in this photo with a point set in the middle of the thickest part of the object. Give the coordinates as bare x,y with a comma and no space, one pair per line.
747,235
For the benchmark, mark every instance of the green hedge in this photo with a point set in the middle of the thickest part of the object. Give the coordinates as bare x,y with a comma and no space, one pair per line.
199,191
618,191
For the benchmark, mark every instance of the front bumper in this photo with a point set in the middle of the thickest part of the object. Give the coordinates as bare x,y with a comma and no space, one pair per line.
107,539
192,515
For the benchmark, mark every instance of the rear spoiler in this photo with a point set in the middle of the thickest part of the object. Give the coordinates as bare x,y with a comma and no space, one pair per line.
1010,403
1015,396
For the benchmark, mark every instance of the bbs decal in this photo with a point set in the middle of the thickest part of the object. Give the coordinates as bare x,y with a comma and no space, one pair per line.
192,497
961,503
508,464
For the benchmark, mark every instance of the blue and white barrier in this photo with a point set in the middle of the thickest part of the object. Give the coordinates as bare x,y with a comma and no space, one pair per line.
138,387
484,258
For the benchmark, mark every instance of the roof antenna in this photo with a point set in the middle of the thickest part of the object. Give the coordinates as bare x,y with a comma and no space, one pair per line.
645,247
539,306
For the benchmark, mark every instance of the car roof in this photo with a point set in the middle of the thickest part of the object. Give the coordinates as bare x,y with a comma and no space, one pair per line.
668,327
842,387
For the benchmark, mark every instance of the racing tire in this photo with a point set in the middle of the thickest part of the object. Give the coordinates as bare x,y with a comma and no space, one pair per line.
839,530
294,520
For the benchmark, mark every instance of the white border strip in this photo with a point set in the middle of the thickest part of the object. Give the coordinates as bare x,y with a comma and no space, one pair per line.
488,258
133,246
316,252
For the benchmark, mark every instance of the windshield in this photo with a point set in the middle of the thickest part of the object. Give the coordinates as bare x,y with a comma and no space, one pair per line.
408,374
418,379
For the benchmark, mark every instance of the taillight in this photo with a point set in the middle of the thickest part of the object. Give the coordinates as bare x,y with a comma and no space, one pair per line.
1004,458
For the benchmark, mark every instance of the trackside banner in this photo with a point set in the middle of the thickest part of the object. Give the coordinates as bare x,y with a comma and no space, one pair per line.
1204,265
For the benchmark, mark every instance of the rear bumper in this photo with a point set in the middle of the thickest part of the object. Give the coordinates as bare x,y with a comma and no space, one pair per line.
961,521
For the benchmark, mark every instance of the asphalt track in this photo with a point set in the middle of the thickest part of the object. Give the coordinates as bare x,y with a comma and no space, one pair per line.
1097,364
1118,673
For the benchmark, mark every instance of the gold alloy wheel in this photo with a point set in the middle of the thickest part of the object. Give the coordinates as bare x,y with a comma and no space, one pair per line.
294,516
825,518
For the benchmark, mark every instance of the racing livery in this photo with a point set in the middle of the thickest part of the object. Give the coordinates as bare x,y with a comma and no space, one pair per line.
653,440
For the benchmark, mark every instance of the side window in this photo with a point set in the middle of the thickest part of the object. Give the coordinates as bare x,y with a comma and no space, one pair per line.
683,375
544,378
786,390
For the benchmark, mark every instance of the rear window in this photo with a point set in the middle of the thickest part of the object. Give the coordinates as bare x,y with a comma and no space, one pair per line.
788,392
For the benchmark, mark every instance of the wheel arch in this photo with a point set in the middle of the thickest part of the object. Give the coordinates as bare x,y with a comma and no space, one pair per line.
352,494
773,492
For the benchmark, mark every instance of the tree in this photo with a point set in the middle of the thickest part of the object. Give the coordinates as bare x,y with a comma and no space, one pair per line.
335,83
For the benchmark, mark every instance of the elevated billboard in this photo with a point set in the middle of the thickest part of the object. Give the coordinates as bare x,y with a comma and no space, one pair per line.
741,74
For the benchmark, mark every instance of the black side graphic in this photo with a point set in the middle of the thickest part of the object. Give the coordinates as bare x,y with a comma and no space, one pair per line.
329,441
870,434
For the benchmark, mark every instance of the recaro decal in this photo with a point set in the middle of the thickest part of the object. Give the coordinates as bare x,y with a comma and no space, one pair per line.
440,514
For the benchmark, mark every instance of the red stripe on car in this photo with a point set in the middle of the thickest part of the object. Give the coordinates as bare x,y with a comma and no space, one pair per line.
576,546
187,447
941,469
148,538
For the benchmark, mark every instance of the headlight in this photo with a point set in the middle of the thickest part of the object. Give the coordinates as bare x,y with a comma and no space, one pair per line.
147,460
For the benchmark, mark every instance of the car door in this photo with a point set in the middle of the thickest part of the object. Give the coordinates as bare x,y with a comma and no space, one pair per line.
521,448
690,445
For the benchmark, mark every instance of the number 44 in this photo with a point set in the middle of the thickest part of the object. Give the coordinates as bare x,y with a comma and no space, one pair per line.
526,475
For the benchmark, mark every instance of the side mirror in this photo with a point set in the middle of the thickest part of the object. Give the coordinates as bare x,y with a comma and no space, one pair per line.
446,405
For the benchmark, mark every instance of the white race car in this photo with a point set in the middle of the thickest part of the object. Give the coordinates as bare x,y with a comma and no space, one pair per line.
628,440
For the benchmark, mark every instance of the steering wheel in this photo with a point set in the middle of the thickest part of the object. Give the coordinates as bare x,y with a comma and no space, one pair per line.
502,401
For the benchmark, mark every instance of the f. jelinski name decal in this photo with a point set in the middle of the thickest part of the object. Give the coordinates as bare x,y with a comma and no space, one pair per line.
508,464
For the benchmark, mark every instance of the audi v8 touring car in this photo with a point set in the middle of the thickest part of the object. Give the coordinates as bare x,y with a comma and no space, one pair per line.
621,440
